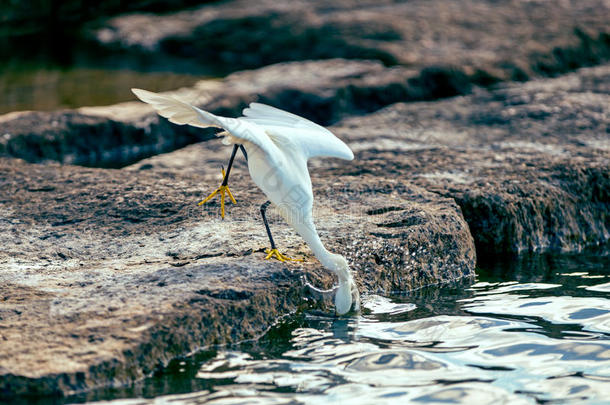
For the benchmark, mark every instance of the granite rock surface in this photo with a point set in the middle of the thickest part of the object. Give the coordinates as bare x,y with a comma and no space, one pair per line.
119,271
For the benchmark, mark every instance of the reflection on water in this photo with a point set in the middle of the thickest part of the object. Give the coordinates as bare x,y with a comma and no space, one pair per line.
532,332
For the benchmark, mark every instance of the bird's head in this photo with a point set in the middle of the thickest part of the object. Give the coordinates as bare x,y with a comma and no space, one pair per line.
347,294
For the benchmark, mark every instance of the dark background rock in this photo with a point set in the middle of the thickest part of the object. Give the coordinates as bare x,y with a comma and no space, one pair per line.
90,140
18,18
550,113
487,40
470,42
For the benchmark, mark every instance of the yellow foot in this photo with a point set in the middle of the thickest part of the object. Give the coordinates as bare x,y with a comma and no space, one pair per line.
281,257
222,190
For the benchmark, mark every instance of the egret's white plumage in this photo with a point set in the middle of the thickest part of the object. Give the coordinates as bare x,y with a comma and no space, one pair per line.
278,144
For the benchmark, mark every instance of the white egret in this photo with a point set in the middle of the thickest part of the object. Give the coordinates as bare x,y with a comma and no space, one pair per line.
277,146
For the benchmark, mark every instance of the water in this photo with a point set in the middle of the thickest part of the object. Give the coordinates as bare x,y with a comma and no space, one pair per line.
526,331
47,88
53,71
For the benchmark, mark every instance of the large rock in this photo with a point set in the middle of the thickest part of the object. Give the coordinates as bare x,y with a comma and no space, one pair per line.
529,164
489,40
540,114
92,138
513,199
107,274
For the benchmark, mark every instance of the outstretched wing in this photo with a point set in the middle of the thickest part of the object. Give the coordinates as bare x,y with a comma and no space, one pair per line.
313,139
181,113
175,110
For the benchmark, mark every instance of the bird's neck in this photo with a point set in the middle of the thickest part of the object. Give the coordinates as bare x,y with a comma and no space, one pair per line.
308,232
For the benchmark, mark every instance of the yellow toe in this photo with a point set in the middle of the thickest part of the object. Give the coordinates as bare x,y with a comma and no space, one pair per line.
208,198
274,253
223,191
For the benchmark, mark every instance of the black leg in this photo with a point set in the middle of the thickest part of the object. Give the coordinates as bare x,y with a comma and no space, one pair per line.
243,150
263,209
225,181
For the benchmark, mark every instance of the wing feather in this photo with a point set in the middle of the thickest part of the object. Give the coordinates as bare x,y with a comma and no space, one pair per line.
313,139
181,113
175,110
